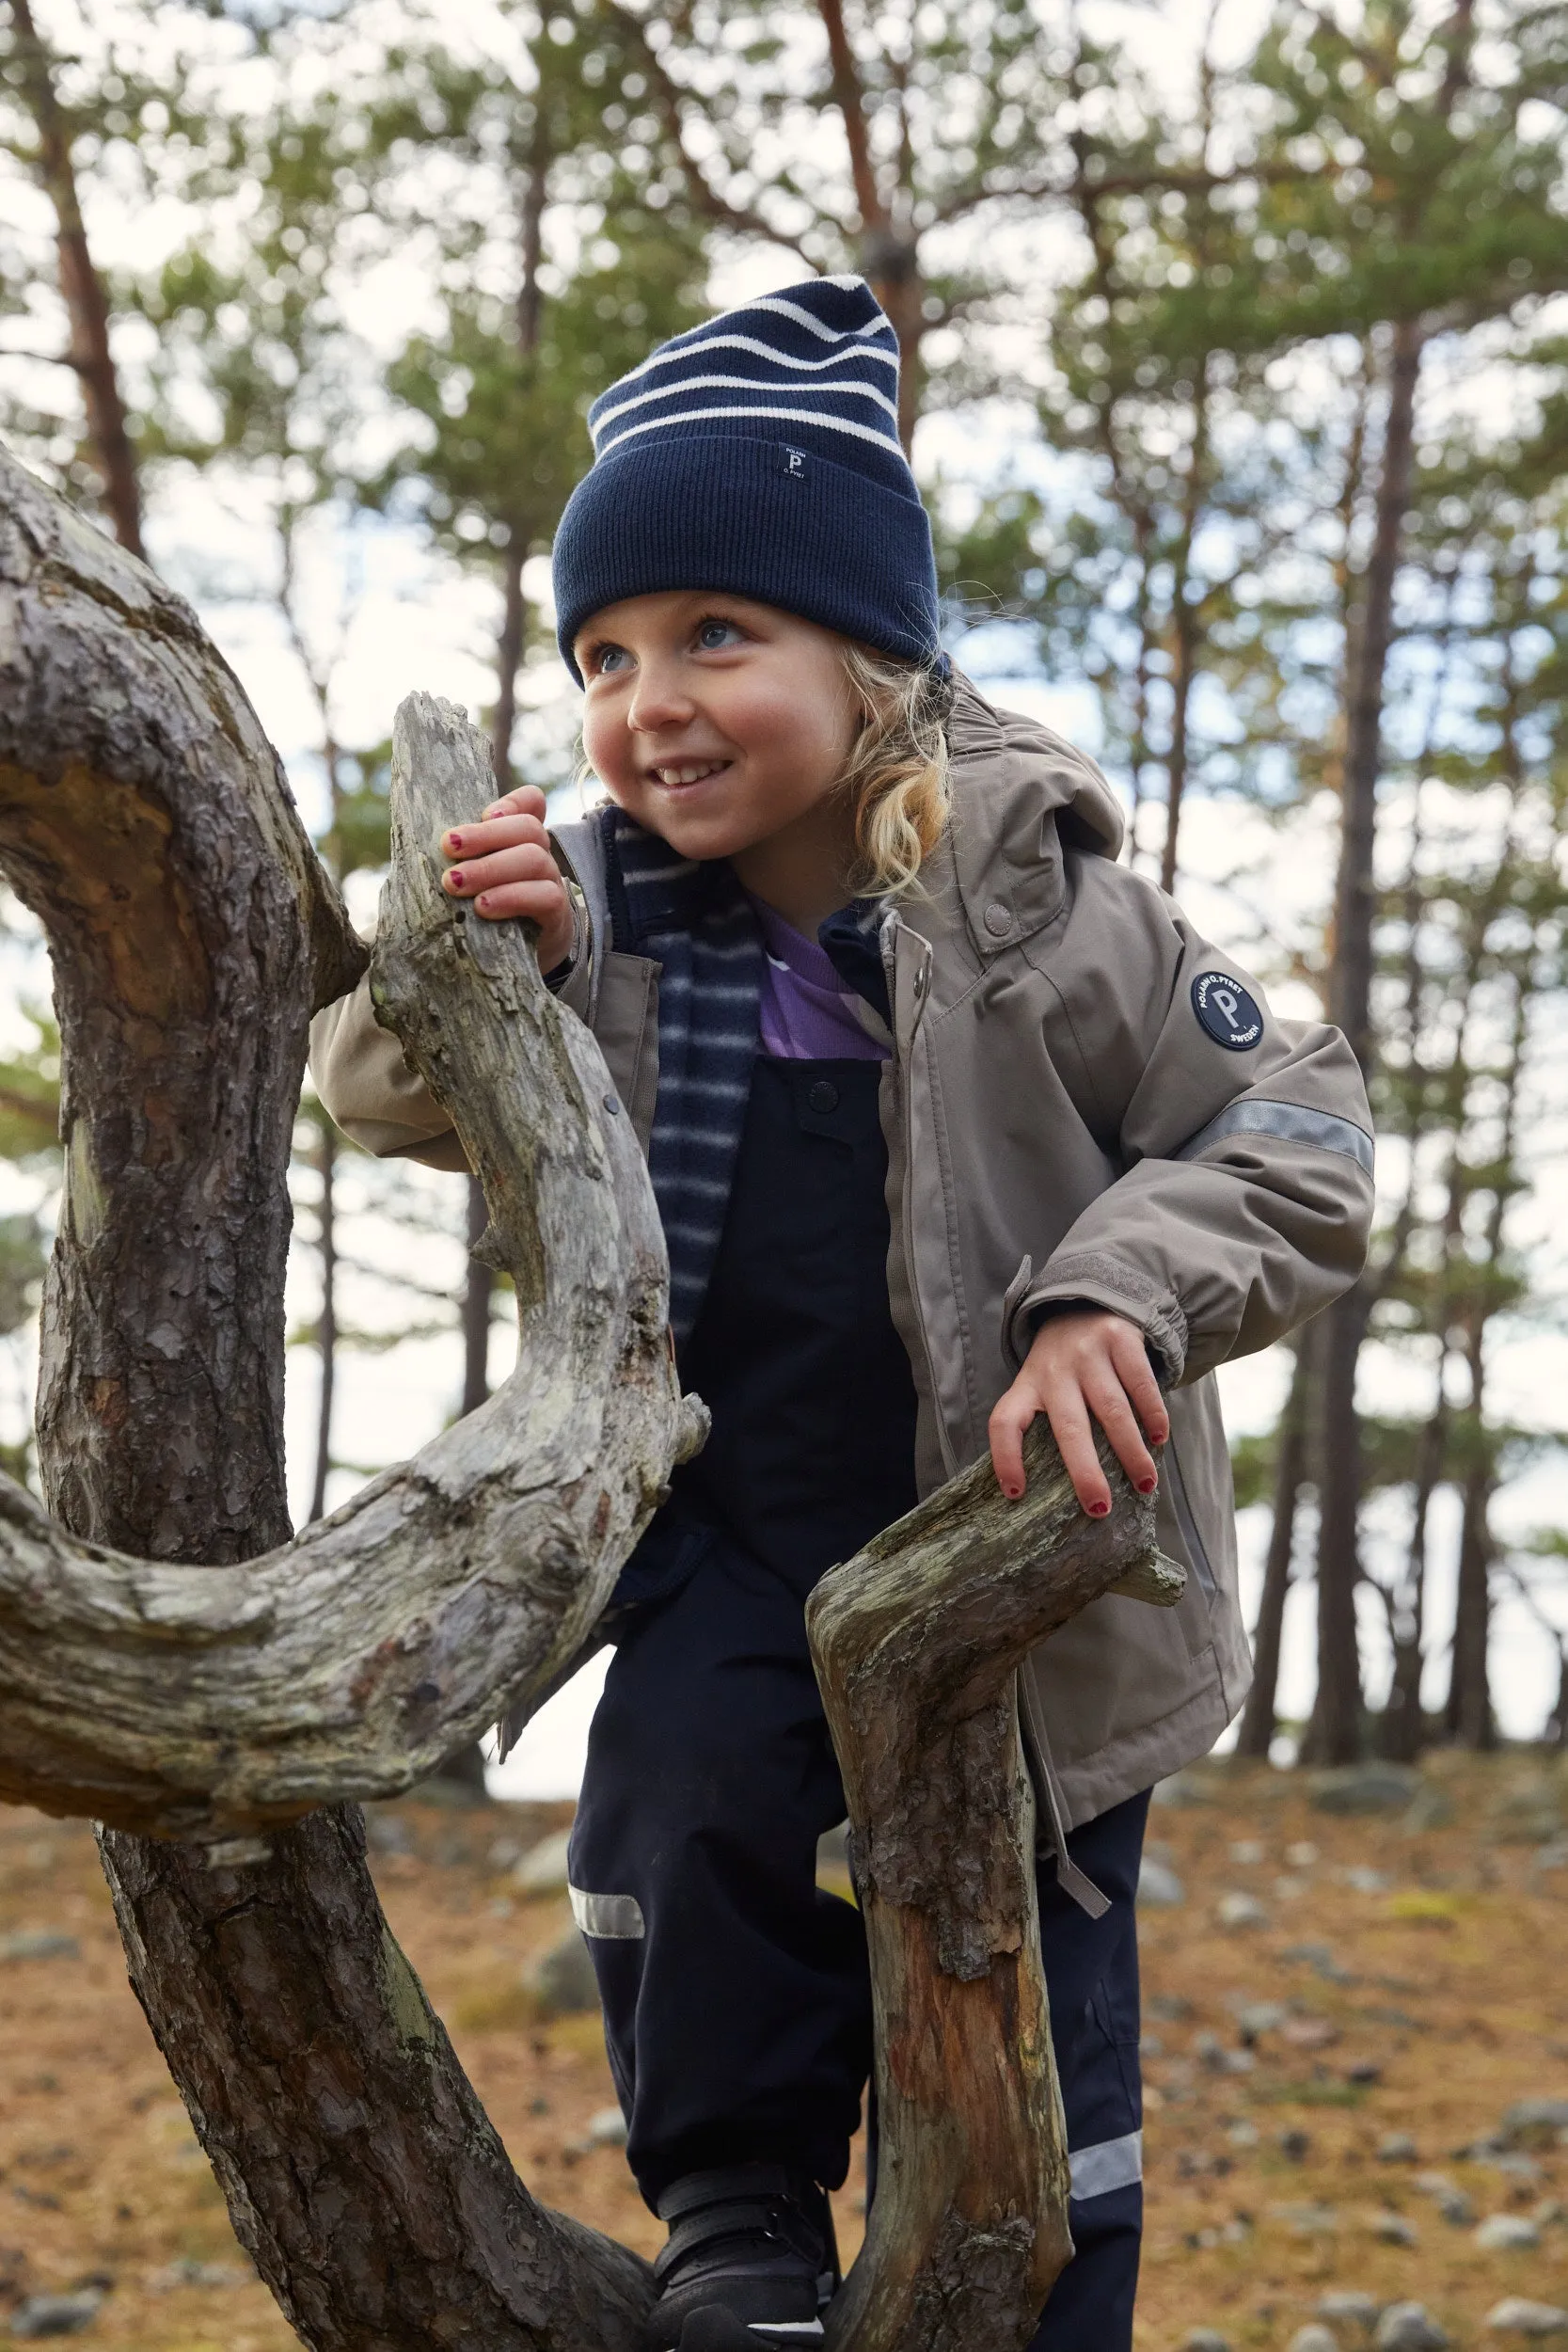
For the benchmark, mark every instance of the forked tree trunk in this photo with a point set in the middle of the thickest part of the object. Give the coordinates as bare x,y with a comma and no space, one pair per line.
143,816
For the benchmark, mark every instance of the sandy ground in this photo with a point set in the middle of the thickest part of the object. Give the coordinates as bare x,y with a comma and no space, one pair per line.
1377,2000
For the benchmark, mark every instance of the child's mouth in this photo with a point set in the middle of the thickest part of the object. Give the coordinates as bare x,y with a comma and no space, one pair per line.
678,775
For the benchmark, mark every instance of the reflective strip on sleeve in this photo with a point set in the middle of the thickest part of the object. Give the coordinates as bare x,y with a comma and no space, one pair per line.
616,1918
1290,1123
1113,2163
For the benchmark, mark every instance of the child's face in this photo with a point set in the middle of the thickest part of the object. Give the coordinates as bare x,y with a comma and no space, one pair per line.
715,722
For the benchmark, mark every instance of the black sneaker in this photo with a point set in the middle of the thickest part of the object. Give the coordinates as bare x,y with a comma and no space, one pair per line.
750,2264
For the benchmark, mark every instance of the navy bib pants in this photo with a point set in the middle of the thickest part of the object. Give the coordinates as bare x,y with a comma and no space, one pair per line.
736,1993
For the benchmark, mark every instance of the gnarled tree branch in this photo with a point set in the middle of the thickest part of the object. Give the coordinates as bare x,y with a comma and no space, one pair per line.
208,1701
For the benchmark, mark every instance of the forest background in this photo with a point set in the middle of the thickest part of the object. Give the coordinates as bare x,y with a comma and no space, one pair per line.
1236,376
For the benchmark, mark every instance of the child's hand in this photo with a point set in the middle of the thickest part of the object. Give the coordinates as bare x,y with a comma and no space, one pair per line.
504,864
1084,1363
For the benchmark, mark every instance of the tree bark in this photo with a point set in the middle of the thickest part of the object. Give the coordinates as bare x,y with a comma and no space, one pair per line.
509,654
1335,1732
327,1328
82,289
144,819
476,1308
1260,1715
917,1643
1468,1713
352,1660
520,530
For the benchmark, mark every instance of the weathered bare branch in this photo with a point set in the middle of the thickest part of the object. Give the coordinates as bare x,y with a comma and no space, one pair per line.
917,1643
202,1701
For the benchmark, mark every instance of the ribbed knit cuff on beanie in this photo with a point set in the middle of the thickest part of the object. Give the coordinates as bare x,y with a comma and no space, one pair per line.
758,456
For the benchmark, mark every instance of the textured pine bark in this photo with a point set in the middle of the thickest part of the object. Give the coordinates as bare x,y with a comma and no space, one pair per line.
144,816
352,1660
917,1643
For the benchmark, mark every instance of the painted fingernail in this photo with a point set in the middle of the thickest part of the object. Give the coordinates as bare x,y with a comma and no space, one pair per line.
1013,1493
483,902
454,840
1146,1486
1098,1510
455,880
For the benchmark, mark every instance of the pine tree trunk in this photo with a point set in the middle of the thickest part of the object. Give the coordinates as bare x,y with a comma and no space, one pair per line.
145,819
1335,1736
1260,1713
81,287
1468,1713
1334,1733
327,1327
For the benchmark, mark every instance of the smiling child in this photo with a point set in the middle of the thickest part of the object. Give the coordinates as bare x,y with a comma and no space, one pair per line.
952,1120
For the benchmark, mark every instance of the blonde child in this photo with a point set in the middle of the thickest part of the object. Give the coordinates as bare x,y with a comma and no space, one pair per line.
952,1120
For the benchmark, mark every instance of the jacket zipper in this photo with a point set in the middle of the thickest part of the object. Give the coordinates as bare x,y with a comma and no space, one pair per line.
888,943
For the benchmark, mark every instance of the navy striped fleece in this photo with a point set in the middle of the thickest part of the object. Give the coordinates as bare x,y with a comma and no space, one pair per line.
758,456
697,923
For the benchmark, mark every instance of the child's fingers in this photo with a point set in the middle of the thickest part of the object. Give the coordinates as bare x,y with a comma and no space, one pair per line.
525,799
521,862
1136,1374
540,902
1010,1417
1075,1435
1108,1401
513,831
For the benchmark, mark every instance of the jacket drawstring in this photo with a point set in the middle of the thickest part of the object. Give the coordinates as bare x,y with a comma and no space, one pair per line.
1074,1882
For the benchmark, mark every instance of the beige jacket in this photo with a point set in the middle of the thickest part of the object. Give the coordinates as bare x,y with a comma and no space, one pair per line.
1061,1124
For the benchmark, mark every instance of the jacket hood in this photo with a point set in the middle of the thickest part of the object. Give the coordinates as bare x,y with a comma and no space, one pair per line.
1022,796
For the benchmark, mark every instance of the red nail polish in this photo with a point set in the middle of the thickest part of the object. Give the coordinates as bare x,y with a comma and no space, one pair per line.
1098,1510
454,840
455,880
1146,1486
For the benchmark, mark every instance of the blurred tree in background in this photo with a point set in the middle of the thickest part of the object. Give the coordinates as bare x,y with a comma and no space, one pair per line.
1237,374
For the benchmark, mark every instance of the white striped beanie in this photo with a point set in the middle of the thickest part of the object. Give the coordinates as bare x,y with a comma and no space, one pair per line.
758,456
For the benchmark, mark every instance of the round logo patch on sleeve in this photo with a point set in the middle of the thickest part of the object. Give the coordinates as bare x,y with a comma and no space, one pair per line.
1226,1012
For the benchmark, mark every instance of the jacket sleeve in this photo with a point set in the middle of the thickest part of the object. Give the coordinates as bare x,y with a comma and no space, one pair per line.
377,1098
382,1105
1246,1199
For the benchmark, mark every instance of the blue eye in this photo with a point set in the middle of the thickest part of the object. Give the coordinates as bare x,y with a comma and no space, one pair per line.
608,660
714,635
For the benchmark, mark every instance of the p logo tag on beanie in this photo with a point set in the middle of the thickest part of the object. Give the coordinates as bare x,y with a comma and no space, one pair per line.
1226,1012
792,462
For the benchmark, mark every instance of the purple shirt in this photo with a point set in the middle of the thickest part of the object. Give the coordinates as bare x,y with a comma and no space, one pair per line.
807,1012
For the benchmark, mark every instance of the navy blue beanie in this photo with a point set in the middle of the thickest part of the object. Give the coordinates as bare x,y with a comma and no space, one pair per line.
758,456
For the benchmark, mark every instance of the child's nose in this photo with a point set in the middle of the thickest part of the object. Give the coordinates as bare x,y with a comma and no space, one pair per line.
657,701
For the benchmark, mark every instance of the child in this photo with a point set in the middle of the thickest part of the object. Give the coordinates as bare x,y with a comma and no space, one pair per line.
952,1120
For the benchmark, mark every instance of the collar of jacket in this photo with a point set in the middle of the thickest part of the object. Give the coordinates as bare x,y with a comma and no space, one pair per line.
1020,796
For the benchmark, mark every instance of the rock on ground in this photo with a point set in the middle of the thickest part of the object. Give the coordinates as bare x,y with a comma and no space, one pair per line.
1348,2308
1409,2327
1159,1884
1507,2232
57,2315
543,1869
562,1980
1365,1789
1516,2315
